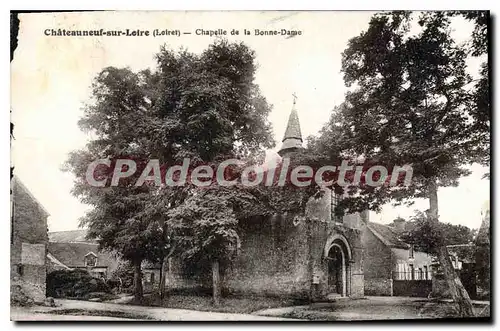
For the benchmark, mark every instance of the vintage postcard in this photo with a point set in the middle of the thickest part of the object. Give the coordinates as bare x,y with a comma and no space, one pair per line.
250,166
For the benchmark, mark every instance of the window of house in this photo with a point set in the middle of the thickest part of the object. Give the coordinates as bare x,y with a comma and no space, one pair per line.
412,272
152,277
411,252
400,272
90,260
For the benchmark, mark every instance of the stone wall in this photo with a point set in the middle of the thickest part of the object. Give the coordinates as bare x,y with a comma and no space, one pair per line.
29,241
358,270
378,286
279,256
272,259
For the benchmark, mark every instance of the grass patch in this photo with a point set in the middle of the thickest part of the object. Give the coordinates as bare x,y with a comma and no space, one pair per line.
108,313
229,304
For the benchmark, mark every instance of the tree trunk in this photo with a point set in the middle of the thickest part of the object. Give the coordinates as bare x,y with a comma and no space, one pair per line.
433,201
138,291
457,290
163,275
216,282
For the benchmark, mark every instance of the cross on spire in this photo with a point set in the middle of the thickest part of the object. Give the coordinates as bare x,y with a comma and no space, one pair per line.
294,97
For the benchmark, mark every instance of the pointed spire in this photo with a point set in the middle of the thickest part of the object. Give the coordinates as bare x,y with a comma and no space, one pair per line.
293,137
483,234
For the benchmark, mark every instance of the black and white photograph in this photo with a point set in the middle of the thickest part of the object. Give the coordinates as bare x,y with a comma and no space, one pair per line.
277,166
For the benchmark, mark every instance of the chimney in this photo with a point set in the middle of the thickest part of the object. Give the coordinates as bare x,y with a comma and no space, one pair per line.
399,224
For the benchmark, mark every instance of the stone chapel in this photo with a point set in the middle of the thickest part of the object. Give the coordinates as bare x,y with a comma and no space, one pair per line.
316,259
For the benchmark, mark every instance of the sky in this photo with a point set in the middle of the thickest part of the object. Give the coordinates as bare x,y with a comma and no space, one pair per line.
51,79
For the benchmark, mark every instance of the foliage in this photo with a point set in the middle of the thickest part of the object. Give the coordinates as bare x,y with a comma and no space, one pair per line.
119,123
427,235
73,283
123,276
481,89
199,106
208,225
410,103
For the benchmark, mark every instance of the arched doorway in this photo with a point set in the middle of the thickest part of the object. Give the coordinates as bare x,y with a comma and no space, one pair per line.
338,258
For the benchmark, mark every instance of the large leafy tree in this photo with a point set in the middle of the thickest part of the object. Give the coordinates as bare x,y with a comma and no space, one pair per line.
119,121
409,103
210,110
204,107
481,110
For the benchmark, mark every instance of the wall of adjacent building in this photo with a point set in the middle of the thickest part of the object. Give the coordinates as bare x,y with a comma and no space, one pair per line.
377,265
420,260
29,241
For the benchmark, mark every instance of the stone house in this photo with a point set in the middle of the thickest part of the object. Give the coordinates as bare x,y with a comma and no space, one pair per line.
313,258
84,256
70,250
388,259
28,243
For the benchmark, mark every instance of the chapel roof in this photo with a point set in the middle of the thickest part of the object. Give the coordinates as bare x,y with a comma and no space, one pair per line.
292,138
483,235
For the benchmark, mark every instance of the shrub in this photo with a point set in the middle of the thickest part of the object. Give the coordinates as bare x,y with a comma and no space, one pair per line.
73,283
123,277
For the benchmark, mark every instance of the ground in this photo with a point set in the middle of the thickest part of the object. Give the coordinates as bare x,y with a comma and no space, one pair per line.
370,308
80,310
232,304
374,308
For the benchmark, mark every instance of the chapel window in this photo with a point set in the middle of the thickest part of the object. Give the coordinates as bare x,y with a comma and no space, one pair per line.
336,215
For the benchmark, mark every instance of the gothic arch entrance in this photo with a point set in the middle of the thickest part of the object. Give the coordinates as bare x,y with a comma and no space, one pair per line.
338,258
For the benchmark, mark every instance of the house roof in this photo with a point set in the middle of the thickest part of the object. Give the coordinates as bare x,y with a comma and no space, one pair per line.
69,236
73,254
19,183
387,235
56,262
149,265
